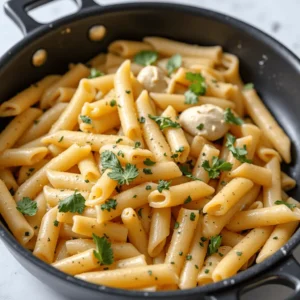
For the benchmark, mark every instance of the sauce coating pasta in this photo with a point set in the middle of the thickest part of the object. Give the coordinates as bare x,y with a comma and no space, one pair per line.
142,171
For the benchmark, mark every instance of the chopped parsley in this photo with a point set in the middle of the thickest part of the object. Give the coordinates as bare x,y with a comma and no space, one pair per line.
127,92
289,205
109,204
248,86
206,271
216,167
239,153
140,212
214,244
200,126
164,122
180,149
137,145
86,119
185,172
238,253
192,216
95,73
197,87
103,252
142,120
189,257
150,272
176,225
148,187
74,203
145,57
174,63
123,175
113,103
188,200
55,223
27,207
163,185
230,118
118,141
147,171
149,162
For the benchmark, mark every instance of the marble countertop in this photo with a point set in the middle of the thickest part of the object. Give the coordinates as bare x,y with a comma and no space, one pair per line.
277,18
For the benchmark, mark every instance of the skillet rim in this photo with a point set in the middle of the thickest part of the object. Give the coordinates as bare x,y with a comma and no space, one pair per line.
240,278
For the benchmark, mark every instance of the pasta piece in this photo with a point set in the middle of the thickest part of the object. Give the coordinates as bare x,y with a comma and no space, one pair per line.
153,136
87,226
287,182
89,169
207,153
169,47
145,216
134,198
127,154
198,249
231,193
28,97
159,230
36,220
178,101
68,119
230,238
70,79
65,94
61,250
78,263
52,195
42,125
16,222
241,253
265,121
272,192
256,174
47,238
103,84
7,177
231,71
127,48
32,186
219,222
126,107
178,194
136,233
279,236
210,264
267,216
67,217
66,138
125,278
131,262
16,128
180,147
22,157
180,243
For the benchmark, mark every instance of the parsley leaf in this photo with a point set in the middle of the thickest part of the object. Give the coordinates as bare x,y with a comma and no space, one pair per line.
214,244
289,205
109,204
197,87
185,172
147,171
124,175
103,252
145,57
109,160
86,119
174,63
137,145
248,86
74,203
27,207
230,118
113,103
163,185
200,126
239,153
217,165
95,73
164,122
188,200
149,162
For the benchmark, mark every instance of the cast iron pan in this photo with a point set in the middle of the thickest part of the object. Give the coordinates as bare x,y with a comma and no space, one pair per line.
274,70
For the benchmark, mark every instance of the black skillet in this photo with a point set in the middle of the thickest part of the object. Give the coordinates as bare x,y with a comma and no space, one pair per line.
273,69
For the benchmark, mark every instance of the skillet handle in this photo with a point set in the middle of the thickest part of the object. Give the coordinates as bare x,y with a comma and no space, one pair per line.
286,272
17,10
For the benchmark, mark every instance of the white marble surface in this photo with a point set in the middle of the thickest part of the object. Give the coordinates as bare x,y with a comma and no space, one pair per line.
276,17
